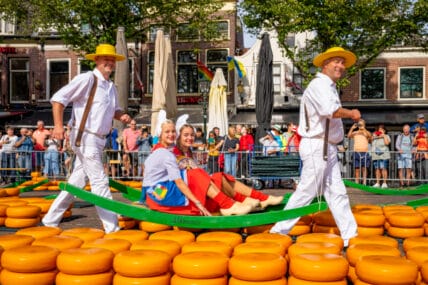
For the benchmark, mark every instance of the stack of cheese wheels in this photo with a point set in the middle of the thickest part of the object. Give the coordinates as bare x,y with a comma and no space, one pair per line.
405,223
151,267
370,219
127,223
59,242
324,223
376,239
3,208
85,234
22,216
283,240
208,245
182,237
230,238
257,268
410,242
43,204
85,266
318,267
321,237
153,227
129,235
418,254
383,269
260,246
29,265
313,247
114,244
12,241
303,226
171,247
200,267
39,232
257,229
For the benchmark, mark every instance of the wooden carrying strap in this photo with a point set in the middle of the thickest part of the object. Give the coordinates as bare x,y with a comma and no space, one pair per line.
86,113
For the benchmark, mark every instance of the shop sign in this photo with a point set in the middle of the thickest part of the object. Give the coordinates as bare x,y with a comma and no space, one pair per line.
7,50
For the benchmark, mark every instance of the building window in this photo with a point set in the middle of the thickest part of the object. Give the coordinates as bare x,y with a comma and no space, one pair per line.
150,71
411,82
217,58
19,70
186,32
6,28
223,29
187,72
152,32
372,83
276,77
58,75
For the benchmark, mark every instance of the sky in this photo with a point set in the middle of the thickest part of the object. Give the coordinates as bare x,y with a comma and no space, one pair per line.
249,39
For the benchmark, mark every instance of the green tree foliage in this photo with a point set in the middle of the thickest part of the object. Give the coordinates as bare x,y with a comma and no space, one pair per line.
366,27
82,24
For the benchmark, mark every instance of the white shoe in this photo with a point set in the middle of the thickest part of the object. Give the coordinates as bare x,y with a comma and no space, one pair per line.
384,185
377,185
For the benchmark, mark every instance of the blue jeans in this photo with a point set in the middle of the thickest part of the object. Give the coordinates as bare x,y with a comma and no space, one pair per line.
230,160
24,161
8,161
51,162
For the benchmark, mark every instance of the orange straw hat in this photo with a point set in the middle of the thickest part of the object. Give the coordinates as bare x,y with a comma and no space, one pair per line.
350,58
105,50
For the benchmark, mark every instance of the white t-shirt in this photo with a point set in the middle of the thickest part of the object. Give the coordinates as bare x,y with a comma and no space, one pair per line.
8,143
161,165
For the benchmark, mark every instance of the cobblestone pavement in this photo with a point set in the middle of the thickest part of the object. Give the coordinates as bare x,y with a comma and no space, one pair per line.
84,213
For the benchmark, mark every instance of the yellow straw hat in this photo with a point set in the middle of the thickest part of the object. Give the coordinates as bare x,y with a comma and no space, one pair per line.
350,58
105,50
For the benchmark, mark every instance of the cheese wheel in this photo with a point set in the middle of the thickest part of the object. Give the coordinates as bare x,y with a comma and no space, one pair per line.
321,237
257,266
356,251
280,281
406,219
115,245
324,218
411,242
59,242
182,237
171,247
257,229
382,240
129,235
153,227
424,271
41,188
83,261
230,238
85,234
39,232
393,208
298,230
2,221
13,203
178,280
405,232
284,240
305,220
418,254
14,278
30,259
296,281
200,265
370,231
313,247
386,270
3,210
421,208
34,174
365,207
12,191
319,267
17,223
211,246
369,219
12,241
259,246
352,275
389,213
155,280
127,225
104,278
43,205
142,263
325,229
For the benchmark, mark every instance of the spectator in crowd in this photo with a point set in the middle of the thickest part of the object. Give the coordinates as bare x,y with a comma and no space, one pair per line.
404,146
24,147
277,134
230,150
40,135
419,124
238,132
362,138
51,157
130,148
111,152
199,146
8,156
67,150
216,130
144,143
270,145
381,155
292,140
421,157
213,146
246,145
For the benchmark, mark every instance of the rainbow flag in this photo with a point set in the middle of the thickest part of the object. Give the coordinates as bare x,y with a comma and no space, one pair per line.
233,63
204,72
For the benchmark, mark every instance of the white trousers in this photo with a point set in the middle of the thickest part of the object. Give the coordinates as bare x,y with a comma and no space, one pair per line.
88,165
321,177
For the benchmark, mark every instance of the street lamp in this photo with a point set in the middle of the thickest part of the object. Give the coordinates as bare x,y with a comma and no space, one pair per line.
204,88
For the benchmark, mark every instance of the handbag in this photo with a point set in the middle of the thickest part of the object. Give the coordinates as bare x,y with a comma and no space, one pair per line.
378,151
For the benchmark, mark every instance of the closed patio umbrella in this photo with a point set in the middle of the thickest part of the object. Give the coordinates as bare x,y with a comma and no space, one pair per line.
217,103
121,75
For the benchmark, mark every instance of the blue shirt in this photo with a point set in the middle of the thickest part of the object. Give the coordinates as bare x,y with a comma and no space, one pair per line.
111,140
26,146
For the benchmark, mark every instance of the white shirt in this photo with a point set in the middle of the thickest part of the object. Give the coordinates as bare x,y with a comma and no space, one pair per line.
161,165
321,100
105,103
8,143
